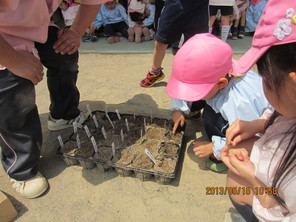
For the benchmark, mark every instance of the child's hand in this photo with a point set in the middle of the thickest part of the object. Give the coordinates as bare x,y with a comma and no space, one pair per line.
147,12
27,66
68,41
241,130
238,161
178,118
91,29
202,148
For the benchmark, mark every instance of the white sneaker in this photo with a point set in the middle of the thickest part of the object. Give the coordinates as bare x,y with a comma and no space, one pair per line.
31,188
60,124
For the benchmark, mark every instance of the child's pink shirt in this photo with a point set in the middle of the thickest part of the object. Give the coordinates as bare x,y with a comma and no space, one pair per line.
29,20
266,155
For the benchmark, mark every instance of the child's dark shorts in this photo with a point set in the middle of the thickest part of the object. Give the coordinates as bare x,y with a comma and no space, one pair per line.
182,16
225,10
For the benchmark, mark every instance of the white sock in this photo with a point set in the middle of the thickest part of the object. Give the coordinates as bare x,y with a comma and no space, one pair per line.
224,32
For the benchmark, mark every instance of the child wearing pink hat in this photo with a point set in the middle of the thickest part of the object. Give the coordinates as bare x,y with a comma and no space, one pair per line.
69,11
201,72
268,175
140,19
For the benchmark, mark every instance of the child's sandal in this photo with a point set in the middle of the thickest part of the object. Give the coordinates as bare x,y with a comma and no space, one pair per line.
131,38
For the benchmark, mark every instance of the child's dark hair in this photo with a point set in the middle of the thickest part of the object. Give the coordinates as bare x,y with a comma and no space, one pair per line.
137,16
274,67
67,3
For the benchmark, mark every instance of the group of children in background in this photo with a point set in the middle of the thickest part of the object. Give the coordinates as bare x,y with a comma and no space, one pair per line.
136,22
236,17
134,19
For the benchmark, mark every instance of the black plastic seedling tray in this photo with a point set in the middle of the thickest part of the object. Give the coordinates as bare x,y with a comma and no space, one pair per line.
121,143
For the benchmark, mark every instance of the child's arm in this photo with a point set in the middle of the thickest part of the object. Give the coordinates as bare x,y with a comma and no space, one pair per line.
178,118
105,19
123,13
21,63
149,21
179,108
8,5
99,21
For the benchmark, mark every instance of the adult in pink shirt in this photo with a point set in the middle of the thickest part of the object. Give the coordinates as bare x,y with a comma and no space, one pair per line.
25,33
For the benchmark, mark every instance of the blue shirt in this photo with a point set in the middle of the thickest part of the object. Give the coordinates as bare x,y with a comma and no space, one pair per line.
149,20
106,16
243,98
99,21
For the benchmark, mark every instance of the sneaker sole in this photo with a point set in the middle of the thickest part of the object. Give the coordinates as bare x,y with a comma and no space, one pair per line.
215,170
154,82
56,128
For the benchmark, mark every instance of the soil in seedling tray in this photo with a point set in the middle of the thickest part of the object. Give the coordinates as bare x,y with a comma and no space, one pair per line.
86,150
68,152
126,157
155,133
104,154
142,161
70,148
166,165
169,149
130,135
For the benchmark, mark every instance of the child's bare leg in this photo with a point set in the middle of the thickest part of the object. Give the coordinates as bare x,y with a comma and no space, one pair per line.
241,33
146,33
241,192
243,18
235,29
138,34
159,53
156,73
131,34
92,29
211,22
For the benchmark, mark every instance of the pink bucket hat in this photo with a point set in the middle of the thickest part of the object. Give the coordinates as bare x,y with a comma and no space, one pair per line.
198,66
276,26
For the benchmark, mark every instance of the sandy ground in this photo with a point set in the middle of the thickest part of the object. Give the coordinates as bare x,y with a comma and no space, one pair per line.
77,194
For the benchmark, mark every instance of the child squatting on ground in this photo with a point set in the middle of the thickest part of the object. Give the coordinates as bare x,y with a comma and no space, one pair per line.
201,72
269,172
69,10
141,16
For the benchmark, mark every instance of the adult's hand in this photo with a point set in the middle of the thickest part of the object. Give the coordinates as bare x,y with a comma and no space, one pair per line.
68,41
27,66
